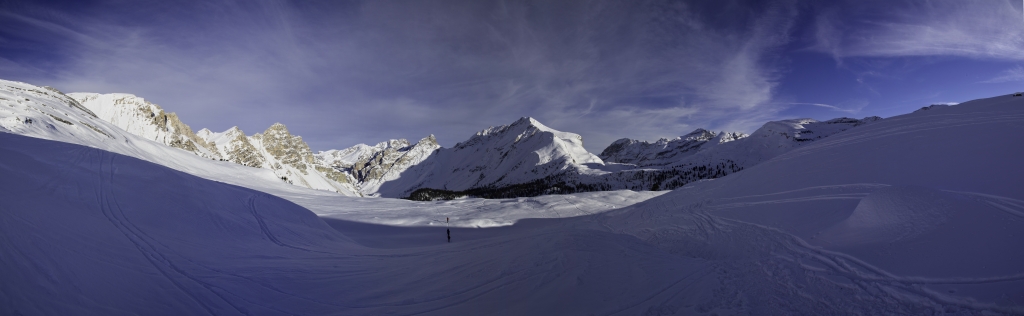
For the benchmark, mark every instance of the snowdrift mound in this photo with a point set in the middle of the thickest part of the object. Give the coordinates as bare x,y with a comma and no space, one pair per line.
929,233
894,214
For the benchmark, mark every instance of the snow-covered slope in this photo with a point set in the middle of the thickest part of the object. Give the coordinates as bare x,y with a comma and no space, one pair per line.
140,117
98,233
49,114
288,156
665,151
912,215
914,207
520,152
527,158
773,139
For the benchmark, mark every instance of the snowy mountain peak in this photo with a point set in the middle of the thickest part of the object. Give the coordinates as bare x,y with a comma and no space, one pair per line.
699,134
278,130
233,146
665,151
521,152
283,146
529,121
725,137
429,140
371,166
204,133
505,136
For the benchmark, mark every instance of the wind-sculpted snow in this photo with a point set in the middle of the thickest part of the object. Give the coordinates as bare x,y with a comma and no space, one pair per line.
85,231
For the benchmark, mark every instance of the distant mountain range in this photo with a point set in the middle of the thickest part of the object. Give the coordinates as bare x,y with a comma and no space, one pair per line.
524,158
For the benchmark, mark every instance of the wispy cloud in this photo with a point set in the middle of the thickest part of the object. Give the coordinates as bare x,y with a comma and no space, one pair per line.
1010,75
339,73
983,29
831,107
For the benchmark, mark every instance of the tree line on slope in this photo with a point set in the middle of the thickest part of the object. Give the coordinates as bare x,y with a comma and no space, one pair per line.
566,183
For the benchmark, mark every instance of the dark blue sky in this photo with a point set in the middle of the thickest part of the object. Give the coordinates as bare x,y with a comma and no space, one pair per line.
346,72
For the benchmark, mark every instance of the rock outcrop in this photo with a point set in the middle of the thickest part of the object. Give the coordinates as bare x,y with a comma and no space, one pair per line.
143,118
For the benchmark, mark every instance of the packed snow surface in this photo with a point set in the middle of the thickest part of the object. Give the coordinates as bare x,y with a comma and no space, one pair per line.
916,214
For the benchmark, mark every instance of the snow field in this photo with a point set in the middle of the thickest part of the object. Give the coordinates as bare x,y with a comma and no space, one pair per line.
916,214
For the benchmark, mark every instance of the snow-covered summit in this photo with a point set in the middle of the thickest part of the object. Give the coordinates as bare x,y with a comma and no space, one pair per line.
234,146
549,144
371,166
517,153
665,151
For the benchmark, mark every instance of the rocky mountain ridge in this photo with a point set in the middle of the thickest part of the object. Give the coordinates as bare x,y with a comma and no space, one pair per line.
523,158
276,149
665,151
371,166
140,117
697,156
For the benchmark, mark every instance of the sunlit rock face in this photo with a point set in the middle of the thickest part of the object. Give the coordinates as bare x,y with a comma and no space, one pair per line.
143,118
233,146
285,148
370,166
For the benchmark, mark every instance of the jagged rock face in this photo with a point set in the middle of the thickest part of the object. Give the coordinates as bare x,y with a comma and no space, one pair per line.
233,146
372,165
375,166
333,174
277,149
664,151
286,148
345,158
142,118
